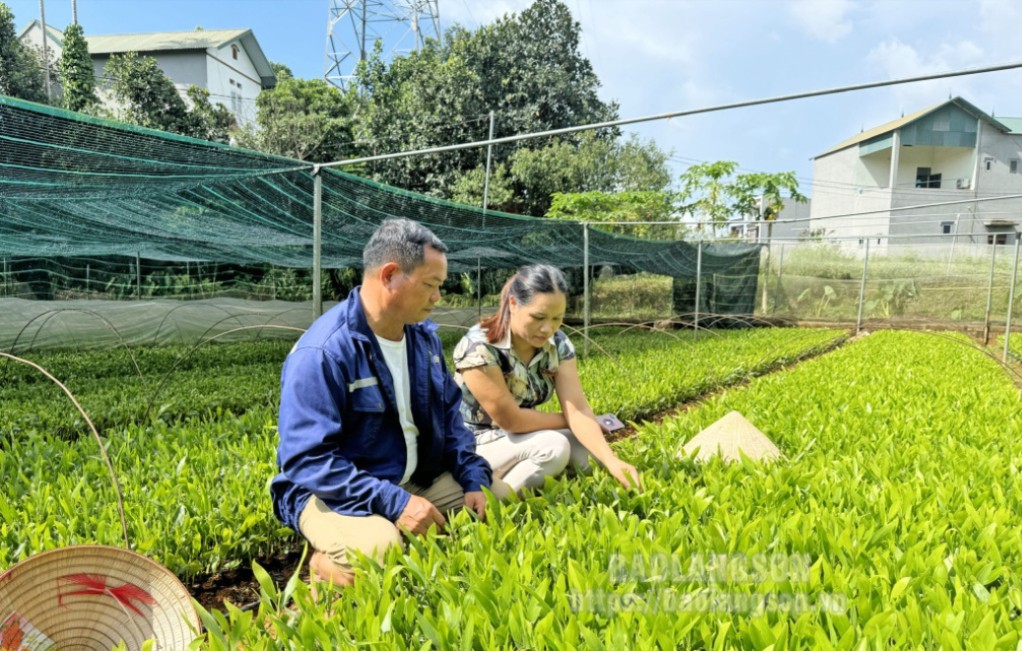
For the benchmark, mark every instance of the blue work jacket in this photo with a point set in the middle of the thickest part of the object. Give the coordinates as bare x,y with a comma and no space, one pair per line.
340,436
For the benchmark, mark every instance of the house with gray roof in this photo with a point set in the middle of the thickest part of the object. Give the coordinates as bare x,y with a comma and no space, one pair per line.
229,63
946,173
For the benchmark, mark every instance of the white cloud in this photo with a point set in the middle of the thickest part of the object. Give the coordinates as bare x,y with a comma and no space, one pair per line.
999,22
471,13
897,60
826,20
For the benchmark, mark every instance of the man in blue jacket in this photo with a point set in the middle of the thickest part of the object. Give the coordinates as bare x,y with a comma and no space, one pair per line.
371,441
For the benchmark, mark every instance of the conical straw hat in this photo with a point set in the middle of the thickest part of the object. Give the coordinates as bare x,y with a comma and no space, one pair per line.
728,436
93,597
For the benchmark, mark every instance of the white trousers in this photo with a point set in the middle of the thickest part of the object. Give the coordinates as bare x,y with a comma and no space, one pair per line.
525,460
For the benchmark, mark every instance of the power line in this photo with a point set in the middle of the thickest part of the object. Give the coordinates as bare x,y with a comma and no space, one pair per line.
900,209
674,114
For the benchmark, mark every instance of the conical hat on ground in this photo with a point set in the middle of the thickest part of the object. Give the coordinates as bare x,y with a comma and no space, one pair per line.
729,435
93,597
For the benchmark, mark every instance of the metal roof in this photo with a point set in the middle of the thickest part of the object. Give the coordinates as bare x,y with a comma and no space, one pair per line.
1014,125
894,125
56,35
199,39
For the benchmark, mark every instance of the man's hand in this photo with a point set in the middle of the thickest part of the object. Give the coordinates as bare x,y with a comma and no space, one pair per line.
418,516
625,473
476,500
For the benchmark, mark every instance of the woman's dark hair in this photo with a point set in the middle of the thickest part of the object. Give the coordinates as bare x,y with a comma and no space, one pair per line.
523,286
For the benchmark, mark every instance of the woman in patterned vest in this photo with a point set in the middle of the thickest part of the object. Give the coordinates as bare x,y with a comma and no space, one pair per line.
514,361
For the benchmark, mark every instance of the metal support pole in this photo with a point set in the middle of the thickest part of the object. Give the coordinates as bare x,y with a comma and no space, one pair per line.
990,294
585,288
766,278
780,269
1011,298
954,240
862,288
138,275
317,243
7,277
46,51
479,286
489,157
88,281
699,283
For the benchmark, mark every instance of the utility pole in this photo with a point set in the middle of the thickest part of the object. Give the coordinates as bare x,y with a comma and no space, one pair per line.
74,12
46,51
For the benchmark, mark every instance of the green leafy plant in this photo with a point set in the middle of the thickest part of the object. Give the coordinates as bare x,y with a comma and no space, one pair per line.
819,298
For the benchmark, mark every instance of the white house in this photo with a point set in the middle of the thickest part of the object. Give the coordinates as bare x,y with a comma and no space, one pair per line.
944,173
228,63
792,224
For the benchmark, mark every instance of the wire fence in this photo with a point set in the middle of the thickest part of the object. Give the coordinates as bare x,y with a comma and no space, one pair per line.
882,282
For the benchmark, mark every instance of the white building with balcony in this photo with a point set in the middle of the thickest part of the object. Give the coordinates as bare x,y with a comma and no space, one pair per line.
946,173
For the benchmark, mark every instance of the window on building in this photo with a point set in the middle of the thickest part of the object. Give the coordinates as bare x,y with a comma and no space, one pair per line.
997,238
1013,166
947,227
234,52
926,179
236,103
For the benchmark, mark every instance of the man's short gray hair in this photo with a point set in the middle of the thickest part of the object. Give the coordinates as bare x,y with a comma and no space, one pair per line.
402,241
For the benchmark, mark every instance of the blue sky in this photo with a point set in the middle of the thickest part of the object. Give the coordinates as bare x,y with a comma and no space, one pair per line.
656,56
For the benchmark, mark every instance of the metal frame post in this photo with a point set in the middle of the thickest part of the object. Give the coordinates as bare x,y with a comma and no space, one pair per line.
489,157
1011,298
88,281
954,240
585,288
138,276
317,243
780,269
479,287
862,288
990,294
699,283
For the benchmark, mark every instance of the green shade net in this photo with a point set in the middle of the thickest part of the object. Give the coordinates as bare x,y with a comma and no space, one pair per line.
76,186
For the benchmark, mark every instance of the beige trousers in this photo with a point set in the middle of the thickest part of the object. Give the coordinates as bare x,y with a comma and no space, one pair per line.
526,460
372,535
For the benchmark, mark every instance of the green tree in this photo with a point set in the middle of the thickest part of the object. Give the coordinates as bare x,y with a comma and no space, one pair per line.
470,185
76,73
714,193
209,121
307,119
21,68
595,162
149,98
628,206
419,101
531,70
526,67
